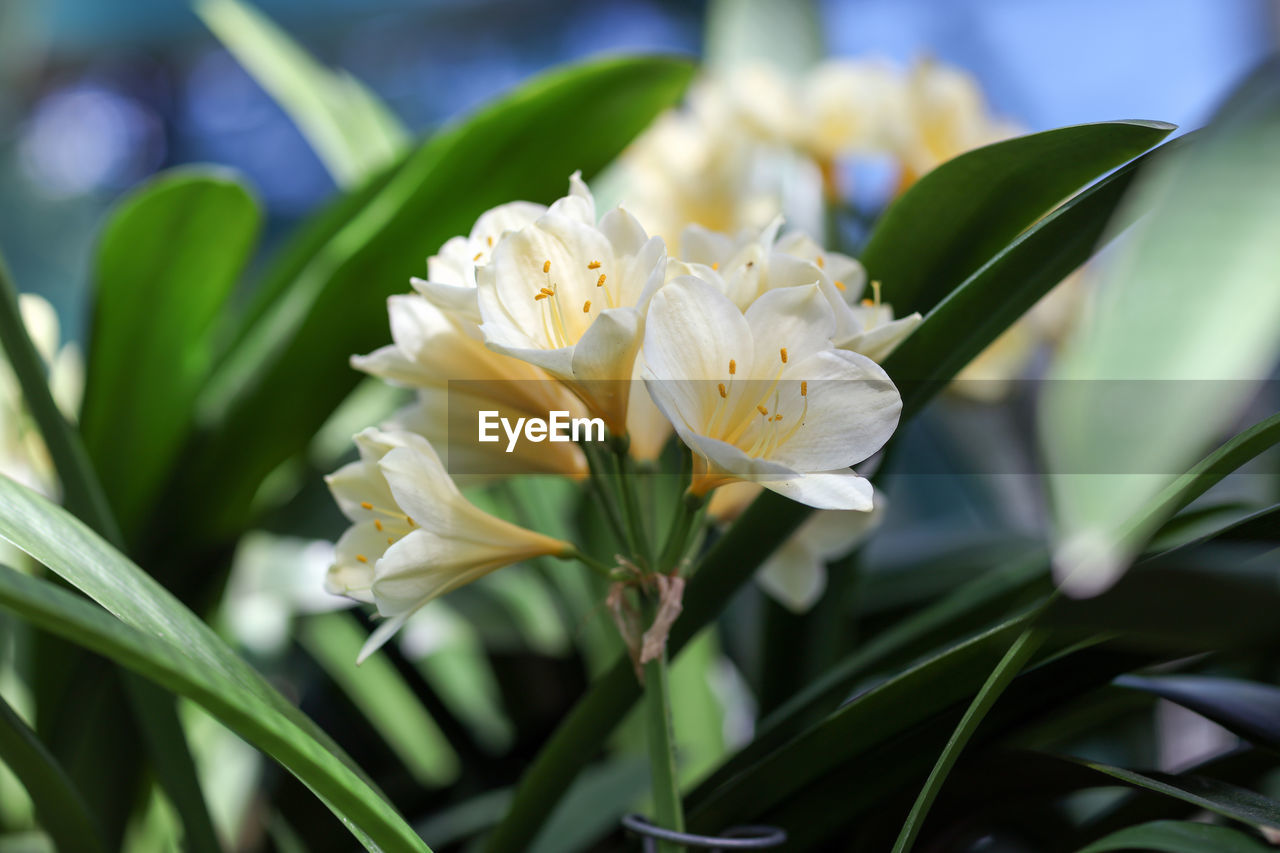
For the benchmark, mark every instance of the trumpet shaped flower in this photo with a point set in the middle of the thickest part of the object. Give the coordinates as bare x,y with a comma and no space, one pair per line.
762,395
568,294
414,537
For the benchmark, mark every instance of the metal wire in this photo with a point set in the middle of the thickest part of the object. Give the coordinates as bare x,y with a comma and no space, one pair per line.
734,838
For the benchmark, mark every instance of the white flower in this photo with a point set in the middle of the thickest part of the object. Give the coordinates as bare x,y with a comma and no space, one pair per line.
763,396
795,574
440,352
414,536
569,296
851,106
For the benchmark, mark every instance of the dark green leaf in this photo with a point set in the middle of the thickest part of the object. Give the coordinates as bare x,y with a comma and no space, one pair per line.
291,369
59,807
1219,797
160,638
1247,708
167,261
954,219
1176,836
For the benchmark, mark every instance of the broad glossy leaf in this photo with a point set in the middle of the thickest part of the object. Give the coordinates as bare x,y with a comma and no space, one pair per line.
155,635
61,811
957,217
167,260
350,129
1183,330
1247,708
1178,836
291,369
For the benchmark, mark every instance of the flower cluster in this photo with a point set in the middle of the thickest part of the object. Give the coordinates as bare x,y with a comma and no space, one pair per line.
758,350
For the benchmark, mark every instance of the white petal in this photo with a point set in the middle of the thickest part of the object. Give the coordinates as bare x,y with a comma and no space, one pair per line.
841,489
877,343
505,217
797,318
831,534
853,409
391,364
603,360
624,231
701,245
793,576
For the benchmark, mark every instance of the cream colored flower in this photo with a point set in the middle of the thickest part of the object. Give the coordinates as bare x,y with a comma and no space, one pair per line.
414,536
763,396
851,106
569,295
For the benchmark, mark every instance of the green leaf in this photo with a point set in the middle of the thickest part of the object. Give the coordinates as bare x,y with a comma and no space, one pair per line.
1008,667
1183,330
1247,708
1212,794
161,639
291,369
987,302
1177,836
383,697
61,811
957,217
167,260
350,129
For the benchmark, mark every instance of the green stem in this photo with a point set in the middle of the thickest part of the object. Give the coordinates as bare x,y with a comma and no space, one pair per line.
641,548
667,808
599,469
689,510
598,566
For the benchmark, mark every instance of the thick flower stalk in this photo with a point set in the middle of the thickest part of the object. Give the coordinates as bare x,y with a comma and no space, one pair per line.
414,537
569,294
763,395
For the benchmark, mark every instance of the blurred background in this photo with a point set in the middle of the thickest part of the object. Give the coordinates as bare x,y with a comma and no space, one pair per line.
95,95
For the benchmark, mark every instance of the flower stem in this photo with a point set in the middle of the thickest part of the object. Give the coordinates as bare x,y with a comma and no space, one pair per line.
689,510
599,469
668,811
641,548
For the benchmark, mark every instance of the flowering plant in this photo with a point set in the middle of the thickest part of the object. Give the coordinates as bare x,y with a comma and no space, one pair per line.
422,534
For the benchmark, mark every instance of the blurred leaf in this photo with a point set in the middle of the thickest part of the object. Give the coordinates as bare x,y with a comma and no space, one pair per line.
61,811
1005,671
984,304
383,697
291,369
170,755
1247,708
350,129
957,217
1212,794
161,639
1209,598
167,260
1169,836
740,33
1182,332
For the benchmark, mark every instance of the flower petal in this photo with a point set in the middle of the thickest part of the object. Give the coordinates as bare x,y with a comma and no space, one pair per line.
842,489
793,576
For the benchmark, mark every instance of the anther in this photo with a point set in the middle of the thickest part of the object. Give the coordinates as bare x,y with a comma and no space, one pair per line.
391,540
600,280
362,558
840,285
868,303
377,524
783,353
538,296
723,392
716,265
586,307
804,388
366,505
821,262
546,266
477,256
594,265
762,410
490,239
733,367
548,291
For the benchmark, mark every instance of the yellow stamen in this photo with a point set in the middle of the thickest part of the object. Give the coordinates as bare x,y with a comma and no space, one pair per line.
875,286
868,303
391,540
490,239
716,265
548,291
362,558
594,265
538,296
377,524
840,285
412,523
586,307
600,280
804,388
762,410
366,505
546,266
783,353
477,256
821,262
723,392
733,367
